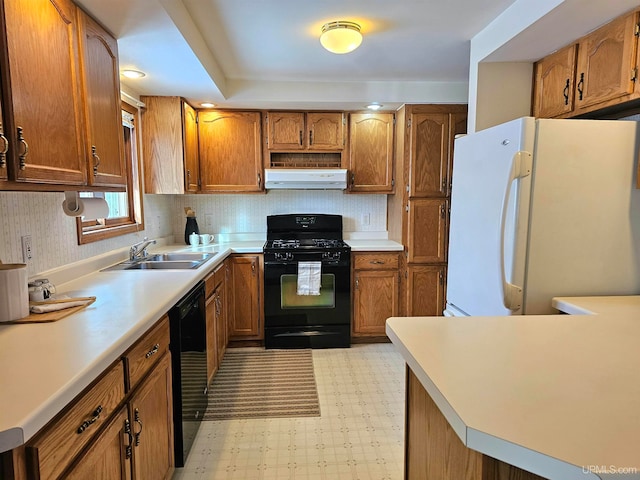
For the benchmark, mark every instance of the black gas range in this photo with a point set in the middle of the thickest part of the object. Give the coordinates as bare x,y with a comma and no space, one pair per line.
307,268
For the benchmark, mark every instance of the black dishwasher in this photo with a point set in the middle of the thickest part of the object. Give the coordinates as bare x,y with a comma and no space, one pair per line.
189,369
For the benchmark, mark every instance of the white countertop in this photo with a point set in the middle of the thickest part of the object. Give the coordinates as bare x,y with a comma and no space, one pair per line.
45,365
557,395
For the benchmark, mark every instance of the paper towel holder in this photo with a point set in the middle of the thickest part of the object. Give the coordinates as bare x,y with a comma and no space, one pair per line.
72,200
89,208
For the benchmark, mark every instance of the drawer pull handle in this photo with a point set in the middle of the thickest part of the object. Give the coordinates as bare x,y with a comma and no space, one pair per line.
136,418
153,351
87,423
3,152
377,262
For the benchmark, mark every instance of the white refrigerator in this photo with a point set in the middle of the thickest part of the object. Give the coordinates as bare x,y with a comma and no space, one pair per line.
543,208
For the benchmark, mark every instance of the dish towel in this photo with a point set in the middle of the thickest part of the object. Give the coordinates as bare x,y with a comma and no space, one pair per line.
61,303
309,275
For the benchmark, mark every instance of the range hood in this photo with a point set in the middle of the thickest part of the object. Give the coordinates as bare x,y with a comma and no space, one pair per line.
305,178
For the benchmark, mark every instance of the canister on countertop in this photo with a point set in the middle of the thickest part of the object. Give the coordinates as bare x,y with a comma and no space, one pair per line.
14,293
47,287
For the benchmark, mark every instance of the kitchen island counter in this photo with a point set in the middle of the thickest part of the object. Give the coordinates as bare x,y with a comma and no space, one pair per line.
555,395
45,365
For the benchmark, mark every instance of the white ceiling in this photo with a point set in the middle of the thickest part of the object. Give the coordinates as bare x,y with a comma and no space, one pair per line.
266,54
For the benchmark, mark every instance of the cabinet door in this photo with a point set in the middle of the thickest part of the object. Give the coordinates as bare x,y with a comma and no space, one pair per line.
190,149
285,131
212,336
42,53
429,140
606,62
555,83
325,131
162,145
101,80
428,230
150,414
230,151
375,298
109,457
425,290
221,322
245,297
371,152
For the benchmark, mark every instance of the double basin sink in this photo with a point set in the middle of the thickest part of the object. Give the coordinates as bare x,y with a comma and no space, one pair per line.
164,261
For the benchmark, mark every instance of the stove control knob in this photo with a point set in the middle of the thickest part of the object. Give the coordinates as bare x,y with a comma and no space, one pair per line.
284,256
335,256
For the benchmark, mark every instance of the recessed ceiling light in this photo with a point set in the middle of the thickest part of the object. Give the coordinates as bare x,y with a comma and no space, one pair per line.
133,73
341,36
207,104
374,106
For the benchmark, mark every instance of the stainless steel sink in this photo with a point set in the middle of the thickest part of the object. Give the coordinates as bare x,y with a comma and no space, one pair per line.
173,265
164,261
173,257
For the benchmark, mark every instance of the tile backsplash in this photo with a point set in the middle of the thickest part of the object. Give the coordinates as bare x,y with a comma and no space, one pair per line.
53,234
246,213
54,240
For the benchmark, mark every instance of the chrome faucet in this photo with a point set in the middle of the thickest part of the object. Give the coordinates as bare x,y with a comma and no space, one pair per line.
139,250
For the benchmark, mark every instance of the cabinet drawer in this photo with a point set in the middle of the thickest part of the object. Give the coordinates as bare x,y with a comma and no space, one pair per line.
213,280
375,261
55,447
144,354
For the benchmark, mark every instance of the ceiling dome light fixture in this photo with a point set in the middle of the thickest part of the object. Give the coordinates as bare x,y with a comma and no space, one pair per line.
207,104
341,36
374,106
133,73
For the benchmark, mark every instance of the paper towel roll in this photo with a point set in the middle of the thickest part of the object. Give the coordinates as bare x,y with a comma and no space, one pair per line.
89,208
14,292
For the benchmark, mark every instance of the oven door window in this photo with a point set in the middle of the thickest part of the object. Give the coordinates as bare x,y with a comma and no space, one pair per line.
289,297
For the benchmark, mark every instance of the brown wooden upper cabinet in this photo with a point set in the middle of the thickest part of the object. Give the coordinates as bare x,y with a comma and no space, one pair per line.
555,83
101,81
230,151
371,144
600,70
61,86
170,146
291,131
429,170
44,116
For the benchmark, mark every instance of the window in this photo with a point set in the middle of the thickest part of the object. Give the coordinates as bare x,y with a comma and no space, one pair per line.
125,208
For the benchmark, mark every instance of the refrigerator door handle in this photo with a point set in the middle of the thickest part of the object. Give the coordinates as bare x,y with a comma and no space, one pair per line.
520,167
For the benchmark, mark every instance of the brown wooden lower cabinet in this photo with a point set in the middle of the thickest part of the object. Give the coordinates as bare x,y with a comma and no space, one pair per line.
433,451
425,290
109,432
376,290
107,459
151,419
245,305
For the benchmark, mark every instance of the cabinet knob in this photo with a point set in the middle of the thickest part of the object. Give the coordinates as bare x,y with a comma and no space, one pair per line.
25,149
136,435
3,152
581,86
565,93
96,160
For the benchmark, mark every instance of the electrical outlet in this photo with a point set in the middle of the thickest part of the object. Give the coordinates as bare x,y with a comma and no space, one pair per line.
208,221
27,251
366,219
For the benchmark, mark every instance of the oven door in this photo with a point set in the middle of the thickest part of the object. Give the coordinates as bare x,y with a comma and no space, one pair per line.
289,315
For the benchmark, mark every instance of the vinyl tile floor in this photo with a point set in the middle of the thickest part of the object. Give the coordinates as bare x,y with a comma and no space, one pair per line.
359,435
